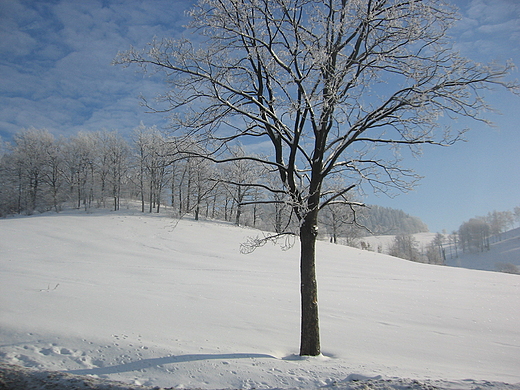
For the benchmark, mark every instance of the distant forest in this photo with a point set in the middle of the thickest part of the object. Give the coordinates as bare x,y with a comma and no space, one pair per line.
388,221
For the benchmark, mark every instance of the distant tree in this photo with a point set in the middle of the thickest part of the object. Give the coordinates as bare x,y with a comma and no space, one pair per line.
241,178
79,157
186,169
435,252
453,241
152,151
499,222
438,242
340,220
8,181
406,247
433,255
277,206
474,235
334,217
53,175
205,184
35,159
388,221
323,84
516,213
114,153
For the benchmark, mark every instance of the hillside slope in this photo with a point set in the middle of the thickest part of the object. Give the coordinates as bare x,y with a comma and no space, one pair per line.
150,300
504,252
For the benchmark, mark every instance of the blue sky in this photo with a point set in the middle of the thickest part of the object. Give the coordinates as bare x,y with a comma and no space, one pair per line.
55,73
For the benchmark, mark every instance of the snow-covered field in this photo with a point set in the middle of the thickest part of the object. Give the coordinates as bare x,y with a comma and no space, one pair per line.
150,300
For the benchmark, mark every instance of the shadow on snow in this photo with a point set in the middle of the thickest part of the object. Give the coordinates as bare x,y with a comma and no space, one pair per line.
153,362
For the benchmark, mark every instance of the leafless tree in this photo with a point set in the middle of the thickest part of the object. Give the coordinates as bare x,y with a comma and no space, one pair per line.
435,250
499,222
204,185
474,235
454,243
340,219
80,155
241,178
406,247
153,161
53,175
35,161
325,83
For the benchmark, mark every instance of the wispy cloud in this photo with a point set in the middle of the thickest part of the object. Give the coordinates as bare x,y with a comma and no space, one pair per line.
55,61
489,29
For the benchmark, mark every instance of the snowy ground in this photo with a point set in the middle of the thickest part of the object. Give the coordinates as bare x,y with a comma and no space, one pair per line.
149,300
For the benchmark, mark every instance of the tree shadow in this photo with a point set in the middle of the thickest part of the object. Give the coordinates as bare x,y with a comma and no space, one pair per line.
153,362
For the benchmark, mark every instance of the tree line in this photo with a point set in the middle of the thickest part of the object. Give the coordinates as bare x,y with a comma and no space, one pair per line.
385,221
40,172
474,235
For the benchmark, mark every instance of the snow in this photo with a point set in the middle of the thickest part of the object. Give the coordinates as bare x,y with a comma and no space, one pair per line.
150,300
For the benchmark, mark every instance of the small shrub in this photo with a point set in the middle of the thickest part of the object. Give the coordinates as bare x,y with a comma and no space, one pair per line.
508,268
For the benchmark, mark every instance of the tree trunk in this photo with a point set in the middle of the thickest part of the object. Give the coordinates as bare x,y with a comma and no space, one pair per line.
310,331
238,214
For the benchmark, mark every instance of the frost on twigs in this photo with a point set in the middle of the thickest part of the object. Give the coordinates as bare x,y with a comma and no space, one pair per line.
285,240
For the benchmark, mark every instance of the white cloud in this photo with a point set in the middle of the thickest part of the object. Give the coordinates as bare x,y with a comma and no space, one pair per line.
14,39
493,11
55,61
489,30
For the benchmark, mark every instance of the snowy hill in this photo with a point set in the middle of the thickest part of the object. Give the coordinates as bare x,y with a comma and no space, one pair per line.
503,255
150,300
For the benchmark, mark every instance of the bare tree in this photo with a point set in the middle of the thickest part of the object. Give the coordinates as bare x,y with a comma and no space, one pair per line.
406,247
499,222
474,235
438,241
204,185
53,175
114,152
340,220
186,177
241,177
141,156
35,161
433,255
152,153
324,83
516,213
435,251
8,204
80,155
